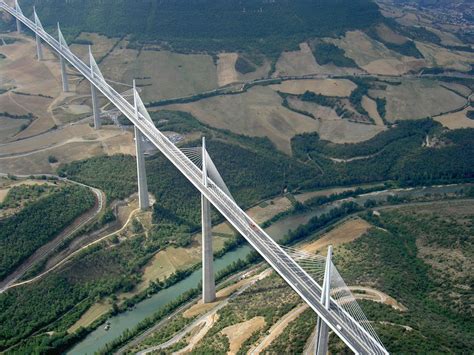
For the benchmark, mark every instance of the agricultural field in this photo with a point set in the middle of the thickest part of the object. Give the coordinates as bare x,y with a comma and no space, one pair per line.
373,56
415,99
257,112
100,45
300,62
30,85
456,120
326,87
161,74
437,56
66,144
31,90
226,72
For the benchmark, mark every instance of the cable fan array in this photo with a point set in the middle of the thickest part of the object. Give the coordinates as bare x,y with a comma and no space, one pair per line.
314,265
195,155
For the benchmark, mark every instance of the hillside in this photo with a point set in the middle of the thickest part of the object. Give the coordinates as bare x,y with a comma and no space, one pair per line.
210,25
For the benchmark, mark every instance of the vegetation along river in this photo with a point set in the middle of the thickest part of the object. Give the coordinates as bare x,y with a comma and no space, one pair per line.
129,319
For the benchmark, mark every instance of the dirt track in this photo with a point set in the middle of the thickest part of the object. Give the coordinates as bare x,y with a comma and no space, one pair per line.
46,249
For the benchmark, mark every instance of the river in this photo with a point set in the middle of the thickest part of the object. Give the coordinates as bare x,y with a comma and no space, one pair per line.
129,319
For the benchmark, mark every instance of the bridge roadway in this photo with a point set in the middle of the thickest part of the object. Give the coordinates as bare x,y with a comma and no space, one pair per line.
348,329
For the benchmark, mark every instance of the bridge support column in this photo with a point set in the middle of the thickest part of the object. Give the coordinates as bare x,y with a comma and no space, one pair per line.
96,109
208,280
39,48
18,26
322,336
64,76
143,200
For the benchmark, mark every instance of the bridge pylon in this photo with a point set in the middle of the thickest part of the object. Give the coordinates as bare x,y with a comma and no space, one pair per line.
64,75
39,47
143,199
322,329
18,23
95,102
208,278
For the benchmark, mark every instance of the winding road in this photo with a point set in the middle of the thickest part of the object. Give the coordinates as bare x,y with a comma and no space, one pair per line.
48,248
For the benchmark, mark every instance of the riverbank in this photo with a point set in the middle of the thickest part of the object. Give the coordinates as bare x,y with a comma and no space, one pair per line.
120,323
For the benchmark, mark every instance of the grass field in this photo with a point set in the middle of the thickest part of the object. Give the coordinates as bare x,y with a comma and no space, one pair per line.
326,87
226,73
21,72
416,98
162,74
373,56
371,107
101,45
456,120
344,131
10,127
257,112
300,62
344,233
318,111
68,144
437,56
388,35
94,312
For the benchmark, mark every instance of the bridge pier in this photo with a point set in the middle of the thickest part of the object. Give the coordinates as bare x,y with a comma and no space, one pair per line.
143,199
39,48
96,108
208,279
18,26
64,76
322,331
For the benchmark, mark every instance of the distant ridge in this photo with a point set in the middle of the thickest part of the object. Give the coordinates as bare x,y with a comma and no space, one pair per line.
210,25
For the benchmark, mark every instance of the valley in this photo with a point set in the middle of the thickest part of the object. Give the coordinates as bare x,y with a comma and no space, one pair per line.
352,133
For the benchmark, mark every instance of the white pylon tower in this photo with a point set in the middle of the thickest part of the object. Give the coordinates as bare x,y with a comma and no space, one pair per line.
18,23
95,103
64,76
143,199
208,279
39,26
322,328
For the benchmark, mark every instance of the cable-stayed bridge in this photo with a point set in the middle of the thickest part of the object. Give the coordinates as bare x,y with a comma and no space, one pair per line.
332,301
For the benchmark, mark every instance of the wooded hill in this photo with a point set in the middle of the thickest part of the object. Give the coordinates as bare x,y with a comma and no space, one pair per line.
210,24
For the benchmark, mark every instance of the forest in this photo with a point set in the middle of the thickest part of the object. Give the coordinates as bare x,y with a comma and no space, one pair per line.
38,223
397,154
254,170
251,175
210,25
438,304
326,53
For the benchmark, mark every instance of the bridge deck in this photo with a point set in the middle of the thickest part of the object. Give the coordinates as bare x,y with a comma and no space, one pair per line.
348,329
